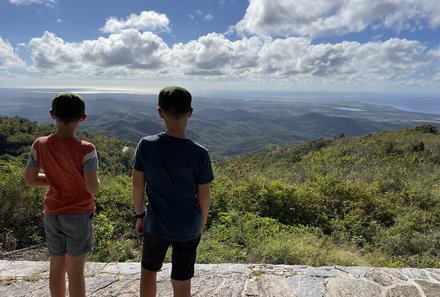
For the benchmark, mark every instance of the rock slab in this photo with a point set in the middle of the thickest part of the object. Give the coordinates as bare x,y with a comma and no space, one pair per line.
27,278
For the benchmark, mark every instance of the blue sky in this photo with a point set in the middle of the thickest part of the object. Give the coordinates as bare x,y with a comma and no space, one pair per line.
231,45
79,20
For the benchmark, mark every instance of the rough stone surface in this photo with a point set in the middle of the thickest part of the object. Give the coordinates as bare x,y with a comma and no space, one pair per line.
429,288
346,287
25,278
399,291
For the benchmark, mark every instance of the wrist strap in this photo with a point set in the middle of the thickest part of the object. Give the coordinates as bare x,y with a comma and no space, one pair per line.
140,216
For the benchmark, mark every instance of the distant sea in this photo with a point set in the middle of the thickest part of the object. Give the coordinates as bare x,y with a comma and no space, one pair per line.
405,101
424,103
421,104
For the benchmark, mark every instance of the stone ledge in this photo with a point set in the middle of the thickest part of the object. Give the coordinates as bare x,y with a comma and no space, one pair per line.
27,278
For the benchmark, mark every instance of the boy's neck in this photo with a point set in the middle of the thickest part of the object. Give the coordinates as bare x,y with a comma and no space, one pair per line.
177,133
64,131
176,128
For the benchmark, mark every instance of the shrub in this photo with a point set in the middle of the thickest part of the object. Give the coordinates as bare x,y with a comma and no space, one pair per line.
246,237
21,209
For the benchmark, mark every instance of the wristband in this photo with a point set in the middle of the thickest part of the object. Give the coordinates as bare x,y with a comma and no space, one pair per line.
140,216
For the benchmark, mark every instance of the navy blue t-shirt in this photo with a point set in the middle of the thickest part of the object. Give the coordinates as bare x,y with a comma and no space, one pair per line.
173,167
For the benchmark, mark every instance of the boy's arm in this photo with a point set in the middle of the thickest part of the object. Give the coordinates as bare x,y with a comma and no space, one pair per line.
204,197
90,167
138,195
33,177
92,181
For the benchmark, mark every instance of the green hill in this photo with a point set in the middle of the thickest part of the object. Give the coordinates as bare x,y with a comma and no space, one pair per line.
235,132
379,193
365,200
229,126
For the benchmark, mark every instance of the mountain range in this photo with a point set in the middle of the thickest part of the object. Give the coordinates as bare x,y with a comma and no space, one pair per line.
226,126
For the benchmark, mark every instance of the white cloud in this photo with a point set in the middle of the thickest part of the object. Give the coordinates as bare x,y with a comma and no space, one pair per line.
129,51
8,58
208,17
145,21
134,54
51,53
49,3
214,55
322,18
393,61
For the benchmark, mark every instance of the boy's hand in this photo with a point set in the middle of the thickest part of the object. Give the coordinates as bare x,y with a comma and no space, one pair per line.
140,226
33,177
204,197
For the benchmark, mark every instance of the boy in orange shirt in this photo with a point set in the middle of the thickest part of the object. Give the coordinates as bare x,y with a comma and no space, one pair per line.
70,170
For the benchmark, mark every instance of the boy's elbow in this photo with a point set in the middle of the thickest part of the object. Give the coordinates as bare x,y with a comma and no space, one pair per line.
27,182
93,188
91,182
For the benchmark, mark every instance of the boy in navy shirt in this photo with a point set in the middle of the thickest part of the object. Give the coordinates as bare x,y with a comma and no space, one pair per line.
175,174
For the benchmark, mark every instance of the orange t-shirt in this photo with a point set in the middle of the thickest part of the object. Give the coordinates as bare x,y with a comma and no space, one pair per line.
64,161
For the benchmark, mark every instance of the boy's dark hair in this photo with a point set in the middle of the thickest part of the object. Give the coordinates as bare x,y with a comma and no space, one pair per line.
68,107
175,99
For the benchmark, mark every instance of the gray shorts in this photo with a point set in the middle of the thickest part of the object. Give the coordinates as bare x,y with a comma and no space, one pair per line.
71,234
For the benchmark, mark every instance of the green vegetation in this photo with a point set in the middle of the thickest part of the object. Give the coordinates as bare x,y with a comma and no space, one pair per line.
21,207
367,200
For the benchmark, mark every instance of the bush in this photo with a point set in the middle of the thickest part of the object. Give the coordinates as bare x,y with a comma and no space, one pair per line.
115,238
248,238
108,246
21,209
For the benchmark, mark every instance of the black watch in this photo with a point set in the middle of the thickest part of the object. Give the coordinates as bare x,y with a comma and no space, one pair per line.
140,216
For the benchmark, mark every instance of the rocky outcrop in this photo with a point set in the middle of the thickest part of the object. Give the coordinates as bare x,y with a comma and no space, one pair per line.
26,278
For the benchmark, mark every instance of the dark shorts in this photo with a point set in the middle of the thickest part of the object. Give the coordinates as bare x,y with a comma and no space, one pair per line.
71,234
183,255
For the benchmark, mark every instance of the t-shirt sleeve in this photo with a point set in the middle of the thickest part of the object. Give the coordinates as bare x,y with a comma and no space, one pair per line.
137,159
90,160
204,174
33,156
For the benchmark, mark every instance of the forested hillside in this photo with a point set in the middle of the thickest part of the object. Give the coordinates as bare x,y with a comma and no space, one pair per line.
366,200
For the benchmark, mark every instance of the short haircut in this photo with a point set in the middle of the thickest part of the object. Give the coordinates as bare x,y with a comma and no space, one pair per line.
174,98
68,107
174,114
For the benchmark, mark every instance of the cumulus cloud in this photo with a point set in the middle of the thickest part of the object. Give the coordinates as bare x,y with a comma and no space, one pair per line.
124,52
51,53
145,21
396,60
134,54
8,58
322,18
213,54
298,59
29,2
130,48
